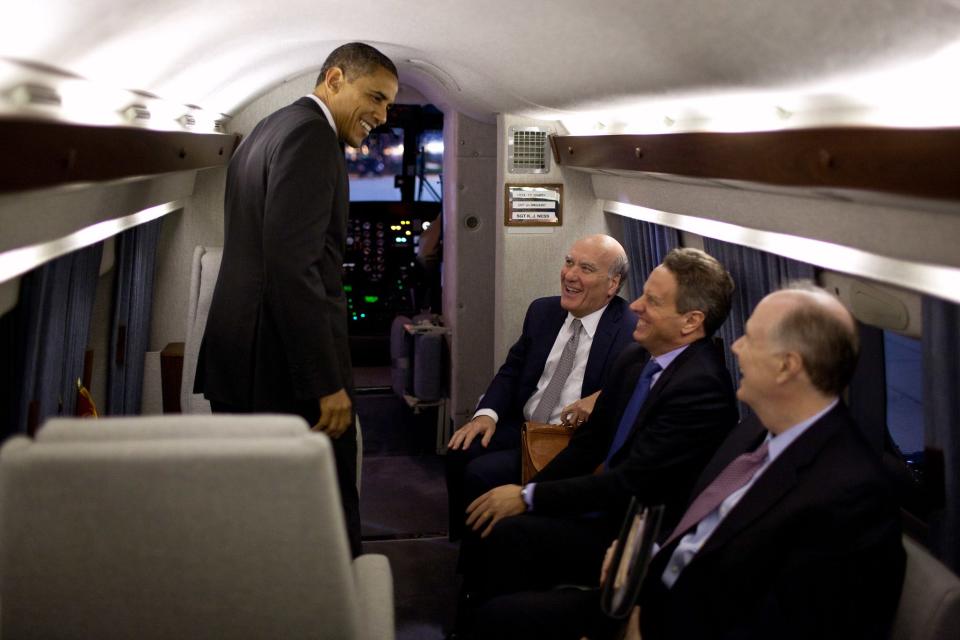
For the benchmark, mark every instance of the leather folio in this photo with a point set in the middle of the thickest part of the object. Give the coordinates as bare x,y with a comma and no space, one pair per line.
539,444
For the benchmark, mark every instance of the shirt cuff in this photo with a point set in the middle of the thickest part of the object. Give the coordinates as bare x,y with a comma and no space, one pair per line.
527,494
490,413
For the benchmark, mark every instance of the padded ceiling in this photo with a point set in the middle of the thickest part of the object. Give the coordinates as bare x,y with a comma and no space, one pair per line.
484,56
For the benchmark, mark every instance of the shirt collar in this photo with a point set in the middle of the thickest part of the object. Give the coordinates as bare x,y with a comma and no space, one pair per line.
782,441
326,111
665,359
590,322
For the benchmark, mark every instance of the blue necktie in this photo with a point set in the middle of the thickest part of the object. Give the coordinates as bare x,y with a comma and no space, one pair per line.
633,408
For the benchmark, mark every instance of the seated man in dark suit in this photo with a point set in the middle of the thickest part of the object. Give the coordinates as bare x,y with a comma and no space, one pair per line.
803,540
532,384
665,409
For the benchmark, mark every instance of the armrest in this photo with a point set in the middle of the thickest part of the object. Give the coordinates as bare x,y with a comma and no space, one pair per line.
374,582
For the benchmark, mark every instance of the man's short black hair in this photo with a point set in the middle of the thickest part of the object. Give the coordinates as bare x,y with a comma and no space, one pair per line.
356,59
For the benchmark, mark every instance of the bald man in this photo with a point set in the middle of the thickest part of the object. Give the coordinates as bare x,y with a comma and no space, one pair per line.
484,452
809,546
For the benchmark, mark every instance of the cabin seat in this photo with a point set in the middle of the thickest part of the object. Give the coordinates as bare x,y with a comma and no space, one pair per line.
929,606
203,279
181,526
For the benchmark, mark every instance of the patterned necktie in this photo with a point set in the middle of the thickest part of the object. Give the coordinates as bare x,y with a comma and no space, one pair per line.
630,414
734,476
551,395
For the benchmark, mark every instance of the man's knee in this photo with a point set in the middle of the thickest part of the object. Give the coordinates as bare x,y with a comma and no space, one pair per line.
491,470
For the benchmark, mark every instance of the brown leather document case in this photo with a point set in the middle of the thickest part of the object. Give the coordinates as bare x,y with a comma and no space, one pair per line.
539,444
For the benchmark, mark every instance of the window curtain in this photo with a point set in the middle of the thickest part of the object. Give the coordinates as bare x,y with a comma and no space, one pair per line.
132,308
941,416
755,274
646,244
52,320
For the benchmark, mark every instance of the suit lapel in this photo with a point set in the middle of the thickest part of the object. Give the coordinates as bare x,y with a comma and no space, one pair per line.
778,479
665,380
745,437
552,323
603,339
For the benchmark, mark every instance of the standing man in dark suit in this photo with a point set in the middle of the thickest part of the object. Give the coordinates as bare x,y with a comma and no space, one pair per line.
665,409
276,336
484,453
794,532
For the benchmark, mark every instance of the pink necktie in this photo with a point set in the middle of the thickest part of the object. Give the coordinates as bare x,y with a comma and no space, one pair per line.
735,475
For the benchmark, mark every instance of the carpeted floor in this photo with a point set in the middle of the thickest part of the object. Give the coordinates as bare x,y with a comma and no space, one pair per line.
403,506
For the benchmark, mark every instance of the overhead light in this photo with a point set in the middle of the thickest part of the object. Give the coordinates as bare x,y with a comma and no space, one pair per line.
187,120
35,94
136,113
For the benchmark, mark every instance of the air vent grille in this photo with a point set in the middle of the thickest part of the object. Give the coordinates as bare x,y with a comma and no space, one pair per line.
527,150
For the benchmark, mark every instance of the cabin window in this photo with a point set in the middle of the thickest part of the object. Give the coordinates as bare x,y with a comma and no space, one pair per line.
429,187
374,167
904,374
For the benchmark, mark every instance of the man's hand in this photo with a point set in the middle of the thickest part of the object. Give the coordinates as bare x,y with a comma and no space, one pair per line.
494,506
335,414
483,426
633,625
607,559
576,413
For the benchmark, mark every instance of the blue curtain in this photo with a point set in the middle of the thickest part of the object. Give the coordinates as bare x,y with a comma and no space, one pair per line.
54,309
646,244
755,274
941,416
132,305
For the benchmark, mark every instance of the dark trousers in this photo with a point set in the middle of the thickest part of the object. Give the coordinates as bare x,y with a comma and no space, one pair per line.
531,552
476,470
345,456
558,614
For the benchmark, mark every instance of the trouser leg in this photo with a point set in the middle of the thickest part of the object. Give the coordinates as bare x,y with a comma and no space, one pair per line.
458,461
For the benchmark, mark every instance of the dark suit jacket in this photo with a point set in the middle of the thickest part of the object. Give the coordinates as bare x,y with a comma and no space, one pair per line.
689,411
812,550
276,336
517,379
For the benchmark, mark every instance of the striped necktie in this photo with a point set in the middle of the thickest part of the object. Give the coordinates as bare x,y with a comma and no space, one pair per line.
551,395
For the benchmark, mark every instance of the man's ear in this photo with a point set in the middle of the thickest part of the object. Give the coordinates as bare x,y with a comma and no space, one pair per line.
791,365
614,283
692,321
333,81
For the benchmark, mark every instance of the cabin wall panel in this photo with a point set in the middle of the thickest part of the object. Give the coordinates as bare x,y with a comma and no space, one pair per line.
897,232
468,254
200,222
529,259
41,216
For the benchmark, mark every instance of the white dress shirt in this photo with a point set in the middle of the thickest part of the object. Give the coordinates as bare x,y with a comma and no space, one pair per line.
691,543
573,387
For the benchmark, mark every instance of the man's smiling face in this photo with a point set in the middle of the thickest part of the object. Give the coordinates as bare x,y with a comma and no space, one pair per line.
360,105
